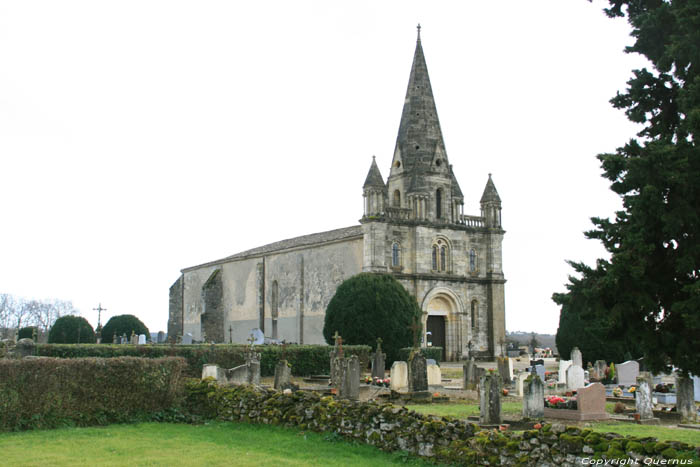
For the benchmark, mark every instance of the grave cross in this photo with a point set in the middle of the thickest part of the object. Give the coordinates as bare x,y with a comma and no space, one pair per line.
379,344
99,311
251,341
230,334
415,327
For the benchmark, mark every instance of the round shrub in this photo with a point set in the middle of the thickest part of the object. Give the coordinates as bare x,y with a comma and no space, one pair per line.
71,330
27,332
368,306
123,324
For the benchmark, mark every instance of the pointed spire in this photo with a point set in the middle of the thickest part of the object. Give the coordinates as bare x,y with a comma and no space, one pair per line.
420,136
490,193
456,191
374,176
418,27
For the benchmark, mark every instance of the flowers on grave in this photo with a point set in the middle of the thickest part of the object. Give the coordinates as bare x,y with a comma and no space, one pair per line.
617,392
551,384
377,381
505,391
610,374
368,380
557,402
632,389
537,426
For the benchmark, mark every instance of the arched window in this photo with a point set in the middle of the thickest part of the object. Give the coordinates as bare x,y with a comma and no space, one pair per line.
397,199
438,203
441,255
395,255
472,260
473,315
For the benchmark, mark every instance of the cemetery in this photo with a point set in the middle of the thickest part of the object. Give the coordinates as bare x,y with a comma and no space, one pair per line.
534,412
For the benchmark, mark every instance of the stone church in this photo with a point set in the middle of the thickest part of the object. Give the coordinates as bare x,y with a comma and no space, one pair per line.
413,227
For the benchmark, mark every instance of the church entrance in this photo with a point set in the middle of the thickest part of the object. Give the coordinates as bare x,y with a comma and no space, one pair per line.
436,333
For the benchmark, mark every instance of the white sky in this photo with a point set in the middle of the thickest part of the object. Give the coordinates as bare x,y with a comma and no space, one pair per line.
141,137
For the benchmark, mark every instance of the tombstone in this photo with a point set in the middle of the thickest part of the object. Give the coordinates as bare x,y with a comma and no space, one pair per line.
642,399
685,404
187,338
399,376
434,375
161,337
696,386
574,378
533,398
627,373
116,339
283,375
417,373
505,369
576,357
591,402
378,362
599,369
337,365
213,371
539,369
124,339
470,380
350,384
134,338
563,366
490,399
520,383
25,347
253,364
142,339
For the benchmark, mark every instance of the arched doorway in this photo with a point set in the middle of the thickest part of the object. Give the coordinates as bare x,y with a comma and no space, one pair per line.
441,321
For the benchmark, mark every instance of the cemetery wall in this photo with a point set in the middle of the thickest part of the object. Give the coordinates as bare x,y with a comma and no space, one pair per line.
443,439
51,392
305,359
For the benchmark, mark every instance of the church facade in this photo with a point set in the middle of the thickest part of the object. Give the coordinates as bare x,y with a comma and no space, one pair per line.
413,227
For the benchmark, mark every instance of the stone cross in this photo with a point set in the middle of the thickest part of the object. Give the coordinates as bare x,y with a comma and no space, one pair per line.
230,334
415,327
379,344
99,311
338,344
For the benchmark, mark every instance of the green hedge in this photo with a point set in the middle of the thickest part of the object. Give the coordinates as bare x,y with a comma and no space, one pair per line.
51,392
305,359
428,352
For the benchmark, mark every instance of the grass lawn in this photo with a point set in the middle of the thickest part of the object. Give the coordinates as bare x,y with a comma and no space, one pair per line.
173,444
463,410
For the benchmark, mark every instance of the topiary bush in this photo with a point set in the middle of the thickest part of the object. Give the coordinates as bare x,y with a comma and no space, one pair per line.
71,330
27,332
368,306
123,324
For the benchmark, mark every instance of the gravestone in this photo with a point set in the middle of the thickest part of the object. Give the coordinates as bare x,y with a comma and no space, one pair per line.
533,398
469,375
350,384
378,362
25,348
434,375
696,386
520,382
576,357
187,338
539,369
505,369
253,364
116,339
563,366
591,402
283,375
490,399
417,373
399,376
336,370
142,339
599,369
685,403
642,399
161,337
574,378
627,372
124,339
134,338
213,371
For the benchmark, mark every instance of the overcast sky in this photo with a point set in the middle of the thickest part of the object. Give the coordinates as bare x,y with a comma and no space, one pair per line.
141,137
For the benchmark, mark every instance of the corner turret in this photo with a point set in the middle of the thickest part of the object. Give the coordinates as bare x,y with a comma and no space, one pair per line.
491,205
374,191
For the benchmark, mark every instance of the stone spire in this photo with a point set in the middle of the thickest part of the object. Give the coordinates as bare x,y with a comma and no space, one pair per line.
490,193
374,176
419,145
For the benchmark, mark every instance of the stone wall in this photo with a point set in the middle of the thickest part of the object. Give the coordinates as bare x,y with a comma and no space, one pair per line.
176,304
213,315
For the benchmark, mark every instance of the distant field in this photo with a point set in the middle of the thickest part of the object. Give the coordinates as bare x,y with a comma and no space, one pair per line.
163,444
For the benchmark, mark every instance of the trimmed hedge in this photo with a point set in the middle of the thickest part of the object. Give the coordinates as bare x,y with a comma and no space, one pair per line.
51,392
305,359
428,352
442,439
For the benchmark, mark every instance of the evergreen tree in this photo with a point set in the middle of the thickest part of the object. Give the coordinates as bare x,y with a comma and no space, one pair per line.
654,268
367,306
71,330
123,324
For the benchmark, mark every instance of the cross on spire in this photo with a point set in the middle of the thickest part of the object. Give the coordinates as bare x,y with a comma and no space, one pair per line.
99,311
418,27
